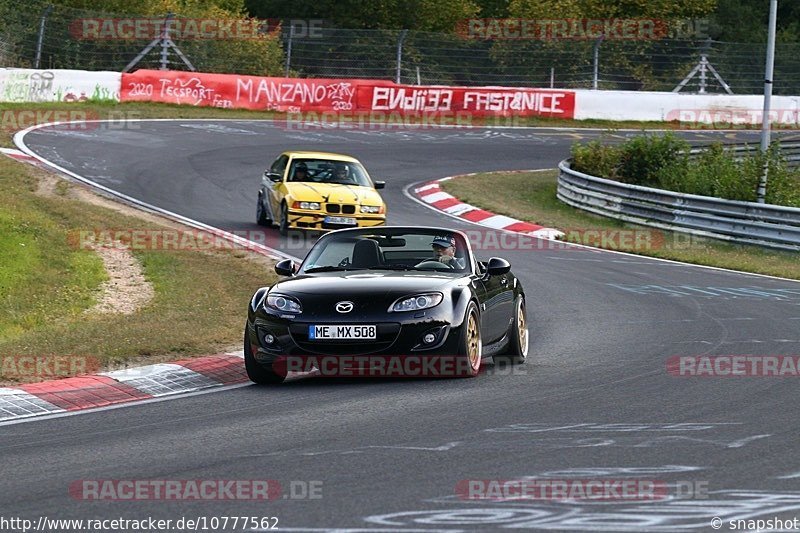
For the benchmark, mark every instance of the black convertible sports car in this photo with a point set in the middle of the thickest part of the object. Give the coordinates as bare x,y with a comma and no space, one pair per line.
405,293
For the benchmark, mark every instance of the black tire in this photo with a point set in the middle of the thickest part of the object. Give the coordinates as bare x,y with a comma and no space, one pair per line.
283,225
256,371
470,345
261,213
518,337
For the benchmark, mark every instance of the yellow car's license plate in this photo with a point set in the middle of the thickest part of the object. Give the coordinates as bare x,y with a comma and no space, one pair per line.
349,221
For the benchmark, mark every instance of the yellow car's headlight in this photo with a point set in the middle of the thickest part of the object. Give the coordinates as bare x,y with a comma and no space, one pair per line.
306,205
372,209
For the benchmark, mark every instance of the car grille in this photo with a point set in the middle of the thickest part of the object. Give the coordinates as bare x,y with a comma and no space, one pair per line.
337,208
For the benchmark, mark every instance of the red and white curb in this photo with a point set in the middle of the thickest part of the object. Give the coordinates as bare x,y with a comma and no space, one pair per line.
20,156
120,386
432,194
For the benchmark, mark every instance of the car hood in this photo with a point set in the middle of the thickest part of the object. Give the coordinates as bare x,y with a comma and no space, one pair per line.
371,292
334,193
346,285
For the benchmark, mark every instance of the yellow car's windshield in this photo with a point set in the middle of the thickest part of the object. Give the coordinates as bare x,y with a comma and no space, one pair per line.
328,171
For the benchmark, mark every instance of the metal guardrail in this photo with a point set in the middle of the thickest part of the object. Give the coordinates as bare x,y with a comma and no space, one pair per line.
741,222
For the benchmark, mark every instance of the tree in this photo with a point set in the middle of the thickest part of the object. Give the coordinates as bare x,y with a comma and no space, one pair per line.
424,15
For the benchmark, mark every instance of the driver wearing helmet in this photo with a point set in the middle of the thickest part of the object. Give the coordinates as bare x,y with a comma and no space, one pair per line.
444,251
300,172
342,173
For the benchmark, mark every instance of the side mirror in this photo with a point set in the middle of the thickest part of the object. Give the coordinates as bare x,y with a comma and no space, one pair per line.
285,267
498,266
380,184
272,176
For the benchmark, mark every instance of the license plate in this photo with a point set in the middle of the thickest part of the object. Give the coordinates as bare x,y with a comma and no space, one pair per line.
345,221
343,332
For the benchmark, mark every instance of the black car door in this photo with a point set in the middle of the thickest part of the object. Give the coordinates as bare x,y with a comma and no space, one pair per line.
497,306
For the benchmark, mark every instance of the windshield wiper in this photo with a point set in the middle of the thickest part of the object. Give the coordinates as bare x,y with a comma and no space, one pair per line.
328,269
392,267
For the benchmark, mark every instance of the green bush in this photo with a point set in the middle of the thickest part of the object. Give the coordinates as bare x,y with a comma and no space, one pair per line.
642,158
596,158
663,162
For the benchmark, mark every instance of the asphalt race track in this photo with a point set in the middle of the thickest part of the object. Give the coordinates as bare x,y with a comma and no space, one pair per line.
595,401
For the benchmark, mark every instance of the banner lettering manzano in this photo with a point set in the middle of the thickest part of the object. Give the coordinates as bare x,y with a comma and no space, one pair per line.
293,95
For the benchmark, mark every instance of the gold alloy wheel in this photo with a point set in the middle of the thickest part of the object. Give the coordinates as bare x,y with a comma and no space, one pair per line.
473,342
522,329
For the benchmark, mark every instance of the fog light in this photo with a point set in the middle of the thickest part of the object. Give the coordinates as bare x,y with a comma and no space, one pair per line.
428,338
269,338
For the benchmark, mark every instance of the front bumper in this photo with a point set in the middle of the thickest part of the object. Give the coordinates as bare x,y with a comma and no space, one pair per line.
313,220
402,336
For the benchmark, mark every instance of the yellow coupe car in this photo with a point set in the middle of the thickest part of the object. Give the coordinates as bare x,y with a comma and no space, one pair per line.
319,191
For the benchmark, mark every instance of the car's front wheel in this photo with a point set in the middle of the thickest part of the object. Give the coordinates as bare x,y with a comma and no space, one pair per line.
255,370
261,213
283,225
470,346
517,350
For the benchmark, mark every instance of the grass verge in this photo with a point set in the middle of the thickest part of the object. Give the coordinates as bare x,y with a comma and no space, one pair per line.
47,283
531,196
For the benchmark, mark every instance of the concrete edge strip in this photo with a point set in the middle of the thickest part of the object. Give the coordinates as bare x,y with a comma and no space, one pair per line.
430,193
121,386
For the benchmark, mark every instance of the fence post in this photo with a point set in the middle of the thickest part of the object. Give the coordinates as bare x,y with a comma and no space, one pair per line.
289,49
761,192
596,73
400,54
165,43
47,11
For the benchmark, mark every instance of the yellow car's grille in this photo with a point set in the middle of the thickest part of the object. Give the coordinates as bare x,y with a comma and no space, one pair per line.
337,208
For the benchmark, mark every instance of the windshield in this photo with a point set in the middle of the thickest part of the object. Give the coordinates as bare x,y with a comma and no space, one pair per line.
389,249
329,171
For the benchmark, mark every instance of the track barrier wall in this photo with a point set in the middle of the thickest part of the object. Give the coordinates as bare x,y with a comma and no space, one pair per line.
360,96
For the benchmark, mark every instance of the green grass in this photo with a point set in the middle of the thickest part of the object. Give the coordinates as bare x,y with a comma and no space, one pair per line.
47,284
531,196
41,277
